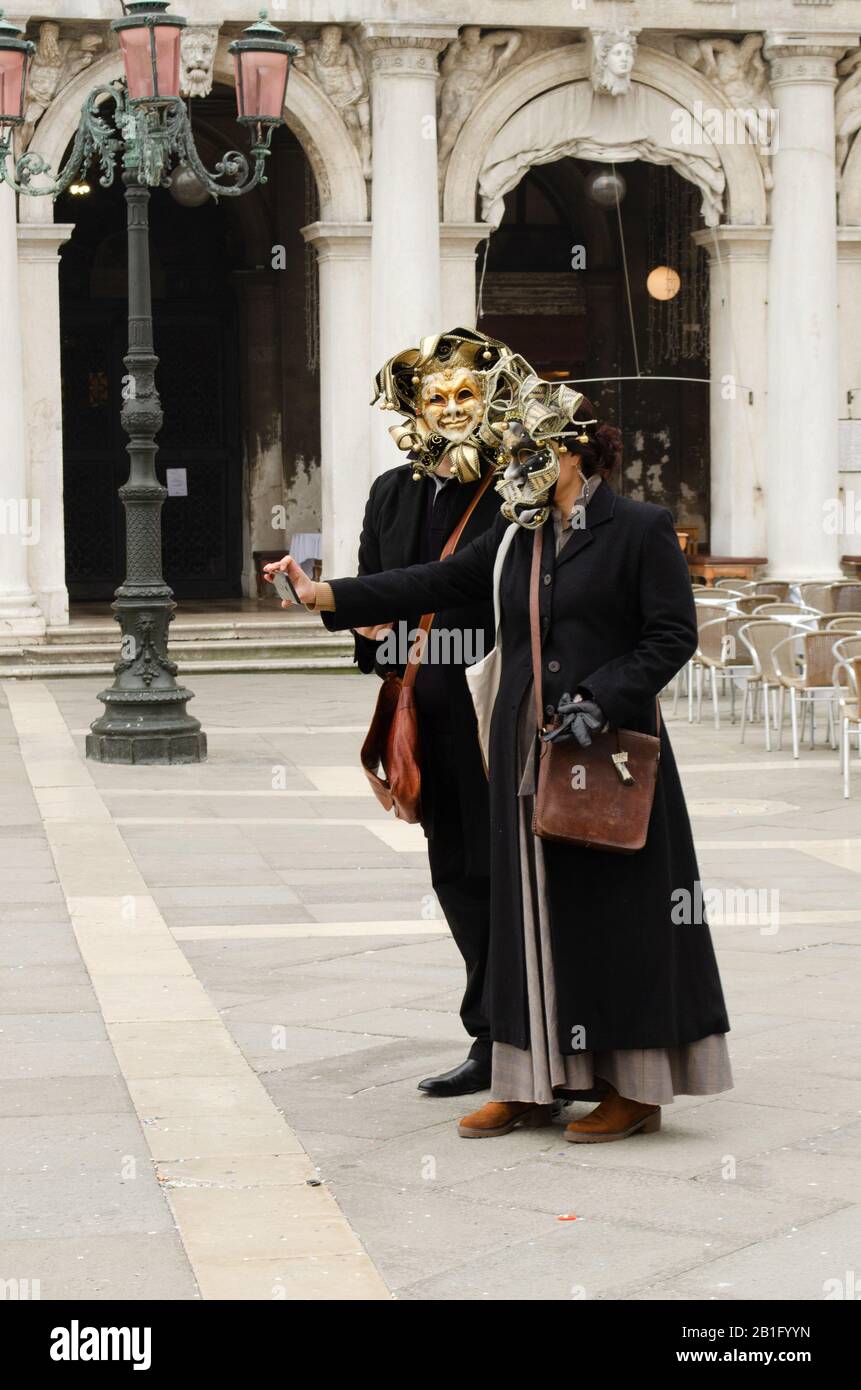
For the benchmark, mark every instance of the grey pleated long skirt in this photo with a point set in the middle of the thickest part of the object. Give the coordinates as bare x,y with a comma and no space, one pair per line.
654,1075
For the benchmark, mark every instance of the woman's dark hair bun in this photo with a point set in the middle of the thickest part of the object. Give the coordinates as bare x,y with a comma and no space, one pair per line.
603,453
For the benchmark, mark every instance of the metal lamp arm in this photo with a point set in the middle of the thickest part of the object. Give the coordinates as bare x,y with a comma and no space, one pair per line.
232,165
94,136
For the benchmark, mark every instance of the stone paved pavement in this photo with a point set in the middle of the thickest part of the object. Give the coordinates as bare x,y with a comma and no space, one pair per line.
292,981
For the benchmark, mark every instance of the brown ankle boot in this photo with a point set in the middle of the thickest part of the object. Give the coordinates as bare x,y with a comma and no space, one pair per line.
501,1117
615,1118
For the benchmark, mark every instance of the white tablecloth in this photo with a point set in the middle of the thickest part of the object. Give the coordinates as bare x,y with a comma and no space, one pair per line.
306,547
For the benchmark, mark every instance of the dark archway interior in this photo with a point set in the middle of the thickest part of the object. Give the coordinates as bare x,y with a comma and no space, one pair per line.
208,262
555,290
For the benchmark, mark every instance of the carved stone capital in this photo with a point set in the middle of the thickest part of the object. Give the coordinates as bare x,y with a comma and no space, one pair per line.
406,50
805,58
41,241
339,241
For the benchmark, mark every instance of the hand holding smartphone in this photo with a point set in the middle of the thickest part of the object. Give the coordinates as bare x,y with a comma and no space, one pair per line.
284,587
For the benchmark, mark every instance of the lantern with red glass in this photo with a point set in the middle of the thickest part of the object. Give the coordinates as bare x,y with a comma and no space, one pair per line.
149,40
16,55
261,59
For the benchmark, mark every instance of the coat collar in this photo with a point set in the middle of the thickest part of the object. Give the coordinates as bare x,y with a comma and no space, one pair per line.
599,510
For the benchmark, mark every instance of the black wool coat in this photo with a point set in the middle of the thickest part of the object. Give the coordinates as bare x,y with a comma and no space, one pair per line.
618,620
390,539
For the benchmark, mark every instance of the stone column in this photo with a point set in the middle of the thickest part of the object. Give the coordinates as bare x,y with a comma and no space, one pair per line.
405,260
38,277
848,301
738,299
803,405
461,245
344,258
20,521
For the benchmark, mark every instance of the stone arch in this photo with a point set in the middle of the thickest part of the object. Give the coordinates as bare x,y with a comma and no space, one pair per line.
308,113
746,202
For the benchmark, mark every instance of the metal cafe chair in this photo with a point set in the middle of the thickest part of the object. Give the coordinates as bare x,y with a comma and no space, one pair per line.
774,588
752,603
719,650
849,700
761,637
707,609
804,663
739,586
795,612
847,622
817,595
847,596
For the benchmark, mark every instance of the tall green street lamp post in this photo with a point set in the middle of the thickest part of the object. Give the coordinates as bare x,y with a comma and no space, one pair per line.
146,128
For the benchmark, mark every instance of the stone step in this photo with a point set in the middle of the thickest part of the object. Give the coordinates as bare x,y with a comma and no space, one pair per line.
293,646
297,664
109,648
190,631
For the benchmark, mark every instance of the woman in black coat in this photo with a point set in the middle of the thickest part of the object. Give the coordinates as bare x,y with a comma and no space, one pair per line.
601,971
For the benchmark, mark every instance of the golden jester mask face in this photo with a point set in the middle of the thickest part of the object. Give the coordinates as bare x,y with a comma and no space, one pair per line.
452,403
439,389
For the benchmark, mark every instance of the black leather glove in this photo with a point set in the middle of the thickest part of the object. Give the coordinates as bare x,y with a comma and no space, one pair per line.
578,719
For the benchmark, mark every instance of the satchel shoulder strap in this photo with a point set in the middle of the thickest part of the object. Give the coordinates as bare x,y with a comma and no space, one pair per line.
417,650
498,564
535,634
535,626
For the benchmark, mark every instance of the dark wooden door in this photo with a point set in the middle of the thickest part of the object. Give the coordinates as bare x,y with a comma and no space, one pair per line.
198,383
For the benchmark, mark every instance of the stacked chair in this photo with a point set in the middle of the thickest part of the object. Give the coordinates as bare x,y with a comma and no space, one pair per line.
775,638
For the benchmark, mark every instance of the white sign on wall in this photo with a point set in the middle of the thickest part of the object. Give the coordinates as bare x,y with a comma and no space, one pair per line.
177,482
850,446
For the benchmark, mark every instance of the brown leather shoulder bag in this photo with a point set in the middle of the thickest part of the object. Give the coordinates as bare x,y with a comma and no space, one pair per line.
598,797
391,755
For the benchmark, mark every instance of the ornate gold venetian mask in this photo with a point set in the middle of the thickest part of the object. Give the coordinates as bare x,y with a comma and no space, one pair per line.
439,389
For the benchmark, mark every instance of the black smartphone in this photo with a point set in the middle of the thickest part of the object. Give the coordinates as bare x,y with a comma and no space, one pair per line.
284,587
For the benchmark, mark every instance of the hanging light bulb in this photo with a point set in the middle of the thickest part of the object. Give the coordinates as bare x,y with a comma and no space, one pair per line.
604,188
663,282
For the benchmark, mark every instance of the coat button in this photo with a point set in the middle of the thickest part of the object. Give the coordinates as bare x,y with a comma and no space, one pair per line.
548,578
553,666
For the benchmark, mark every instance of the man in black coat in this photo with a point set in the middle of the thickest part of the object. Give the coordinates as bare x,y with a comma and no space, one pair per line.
411,512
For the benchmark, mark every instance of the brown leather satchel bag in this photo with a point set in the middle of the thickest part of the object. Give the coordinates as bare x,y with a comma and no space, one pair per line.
391,756
598,797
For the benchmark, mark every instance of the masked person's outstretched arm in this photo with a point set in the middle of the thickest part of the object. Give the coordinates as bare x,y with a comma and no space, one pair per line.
456,582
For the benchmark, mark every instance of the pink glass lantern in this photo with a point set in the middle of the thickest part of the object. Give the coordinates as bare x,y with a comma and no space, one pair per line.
261,61
16,55
149,40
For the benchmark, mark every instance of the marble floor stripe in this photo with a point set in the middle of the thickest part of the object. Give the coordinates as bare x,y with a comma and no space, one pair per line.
235,1174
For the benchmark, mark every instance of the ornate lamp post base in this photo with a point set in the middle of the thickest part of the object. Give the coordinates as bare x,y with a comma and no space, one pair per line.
146,726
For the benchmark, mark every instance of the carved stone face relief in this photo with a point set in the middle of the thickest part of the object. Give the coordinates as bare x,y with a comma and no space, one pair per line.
197,53
620,59
452,403
614,52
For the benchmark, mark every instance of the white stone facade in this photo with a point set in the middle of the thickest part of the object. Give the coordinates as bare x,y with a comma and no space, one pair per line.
416,118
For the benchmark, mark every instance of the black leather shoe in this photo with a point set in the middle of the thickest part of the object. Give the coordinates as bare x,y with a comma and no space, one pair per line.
471,1076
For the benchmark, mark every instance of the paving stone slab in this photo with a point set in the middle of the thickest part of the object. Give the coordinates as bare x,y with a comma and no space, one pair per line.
812,1262
104,1267
64,1095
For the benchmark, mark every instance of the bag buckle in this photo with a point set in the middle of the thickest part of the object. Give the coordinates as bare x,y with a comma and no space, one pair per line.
619,762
